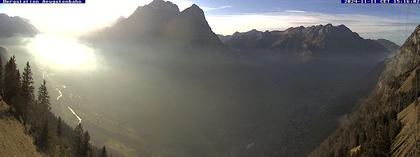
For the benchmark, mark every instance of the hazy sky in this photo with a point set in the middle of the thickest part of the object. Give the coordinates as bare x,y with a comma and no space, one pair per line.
393,22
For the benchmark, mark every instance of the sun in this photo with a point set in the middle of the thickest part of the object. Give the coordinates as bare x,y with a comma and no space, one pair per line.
59,52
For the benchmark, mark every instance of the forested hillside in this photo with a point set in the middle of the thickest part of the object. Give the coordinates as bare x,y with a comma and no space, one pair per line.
29,113
386,123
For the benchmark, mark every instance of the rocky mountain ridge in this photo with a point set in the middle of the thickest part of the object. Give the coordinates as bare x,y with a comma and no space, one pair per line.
307,42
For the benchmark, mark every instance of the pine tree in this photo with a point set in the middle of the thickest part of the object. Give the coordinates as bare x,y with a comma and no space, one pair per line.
85,144
41,109
27,92
78,140
45,139
104,153
12,77
27,83
379,144
1,77
59,127
12,86
43,97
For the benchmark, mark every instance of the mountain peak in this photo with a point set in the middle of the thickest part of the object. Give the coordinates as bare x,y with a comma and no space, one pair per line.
195,6
159,5
157,2
195,10
163,4
343,28
413,39
254,30
409,55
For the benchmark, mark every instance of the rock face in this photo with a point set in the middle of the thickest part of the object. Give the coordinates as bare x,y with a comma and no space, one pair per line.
385,122
161,22
15,26
306,41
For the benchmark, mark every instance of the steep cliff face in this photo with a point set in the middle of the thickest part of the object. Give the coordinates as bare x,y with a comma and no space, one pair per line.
386,123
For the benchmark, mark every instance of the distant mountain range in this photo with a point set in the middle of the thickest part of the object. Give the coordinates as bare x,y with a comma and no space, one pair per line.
15,26
160,23
308,42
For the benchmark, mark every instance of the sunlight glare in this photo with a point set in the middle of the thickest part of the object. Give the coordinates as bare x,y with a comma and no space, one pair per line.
62,53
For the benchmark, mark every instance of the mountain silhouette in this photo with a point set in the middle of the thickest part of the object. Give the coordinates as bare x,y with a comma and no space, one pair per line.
16,26
161,23
306,42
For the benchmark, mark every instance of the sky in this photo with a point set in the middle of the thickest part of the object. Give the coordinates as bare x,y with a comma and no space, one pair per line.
389,21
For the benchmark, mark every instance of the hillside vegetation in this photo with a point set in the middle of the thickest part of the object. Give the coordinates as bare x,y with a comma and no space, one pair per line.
13,140
386,123
29,117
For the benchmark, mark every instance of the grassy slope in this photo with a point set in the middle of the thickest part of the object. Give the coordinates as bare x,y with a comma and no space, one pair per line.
406,139
13,141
